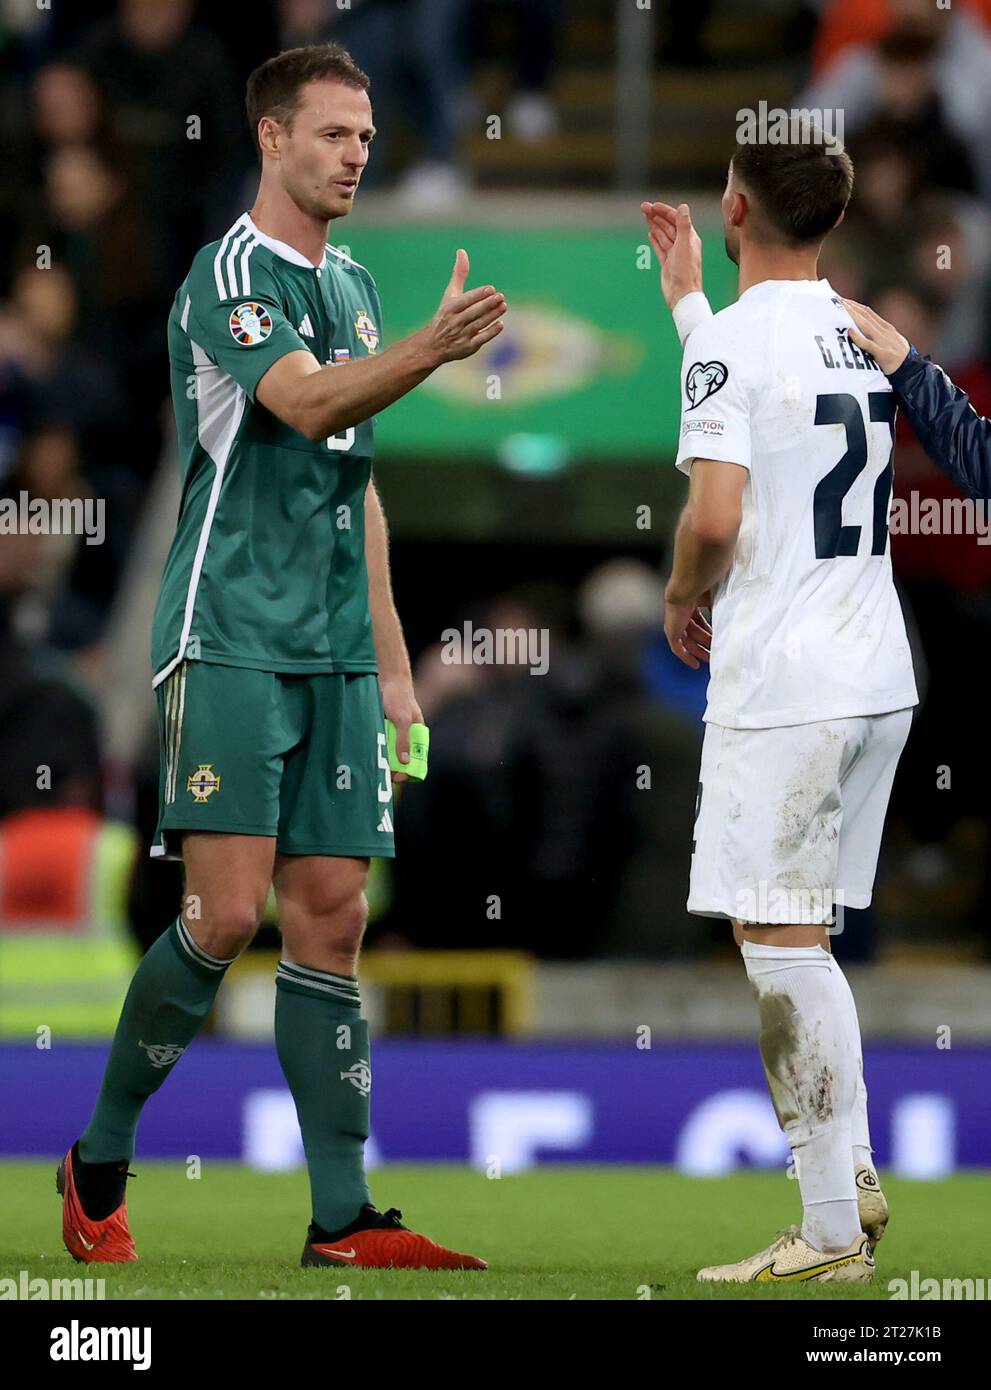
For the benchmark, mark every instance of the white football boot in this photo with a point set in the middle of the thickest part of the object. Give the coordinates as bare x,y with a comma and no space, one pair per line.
871,1204
791,1259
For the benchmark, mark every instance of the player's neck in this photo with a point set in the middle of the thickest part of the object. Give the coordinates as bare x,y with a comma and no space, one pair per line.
759,263
278,216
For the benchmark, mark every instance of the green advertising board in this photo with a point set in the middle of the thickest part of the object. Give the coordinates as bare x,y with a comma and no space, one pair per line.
586,368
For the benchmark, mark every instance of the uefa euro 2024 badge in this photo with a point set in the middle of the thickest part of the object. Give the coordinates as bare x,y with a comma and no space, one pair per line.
250,323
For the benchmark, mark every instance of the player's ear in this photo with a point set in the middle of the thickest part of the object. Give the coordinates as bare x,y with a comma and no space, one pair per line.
268,130
738,209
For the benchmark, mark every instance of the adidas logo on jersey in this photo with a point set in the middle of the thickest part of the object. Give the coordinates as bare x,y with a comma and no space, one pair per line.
386,822
306,328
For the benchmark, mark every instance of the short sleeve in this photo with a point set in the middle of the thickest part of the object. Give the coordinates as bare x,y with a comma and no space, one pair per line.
715,400
243,334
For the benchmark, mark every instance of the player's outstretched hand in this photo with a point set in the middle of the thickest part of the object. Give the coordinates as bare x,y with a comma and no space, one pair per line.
677,246
465,321
876,336
687,629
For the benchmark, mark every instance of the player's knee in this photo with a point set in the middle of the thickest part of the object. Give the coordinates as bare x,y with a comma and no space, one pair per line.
344,927
228,928
328,898
334,924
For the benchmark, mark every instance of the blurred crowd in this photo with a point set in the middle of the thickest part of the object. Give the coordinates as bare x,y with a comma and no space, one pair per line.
124,149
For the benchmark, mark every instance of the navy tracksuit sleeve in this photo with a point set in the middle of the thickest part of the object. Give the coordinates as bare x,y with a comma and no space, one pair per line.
955,437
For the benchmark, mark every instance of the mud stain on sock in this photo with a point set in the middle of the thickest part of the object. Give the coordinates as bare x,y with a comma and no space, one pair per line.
799,1078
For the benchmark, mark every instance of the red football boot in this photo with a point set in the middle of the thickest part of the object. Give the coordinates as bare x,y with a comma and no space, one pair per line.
377,1240
90,1240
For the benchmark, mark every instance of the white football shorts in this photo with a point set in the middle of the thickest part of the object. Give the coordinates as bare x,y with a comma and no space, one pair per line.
788,820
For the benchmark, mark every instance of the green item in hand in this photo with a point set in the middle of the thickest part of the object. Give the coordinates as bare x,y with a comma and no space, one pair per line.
419,745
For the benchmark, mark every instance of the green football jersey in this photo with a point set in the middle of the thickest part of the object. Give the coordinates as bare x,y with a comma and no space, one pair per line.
267,568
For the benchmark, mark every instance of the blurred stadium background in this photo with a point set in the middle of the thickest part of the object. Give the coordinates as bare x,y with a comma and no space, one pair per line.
535,985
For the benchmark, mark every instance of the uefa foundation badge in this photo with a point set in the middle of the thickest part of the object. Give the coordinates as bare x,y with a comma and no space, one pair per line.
250,324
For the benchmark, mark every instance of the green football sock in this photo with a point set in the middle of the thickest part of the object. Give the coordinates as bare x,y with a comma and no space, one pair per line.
322,1042
171,994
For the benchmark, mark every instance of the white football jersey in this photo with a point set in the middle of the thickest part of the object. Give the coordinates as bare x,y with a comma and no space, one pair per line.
807,625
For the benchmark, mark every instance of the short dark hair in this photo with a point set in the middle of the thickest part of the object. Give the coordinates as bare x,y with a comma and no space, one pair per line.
801,188
273,88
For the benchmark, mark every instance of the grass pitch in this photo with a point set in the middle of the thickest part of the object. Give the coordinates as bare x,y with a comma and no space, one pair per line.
555,1233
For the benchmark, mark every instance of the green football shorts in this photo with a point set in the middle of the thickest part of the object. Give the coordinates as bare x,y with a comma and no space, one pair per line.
302,758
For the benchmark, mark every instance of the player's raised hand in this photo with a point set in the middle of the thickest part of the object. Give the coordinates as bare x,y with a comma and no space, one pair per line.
465,320
678,247
875,335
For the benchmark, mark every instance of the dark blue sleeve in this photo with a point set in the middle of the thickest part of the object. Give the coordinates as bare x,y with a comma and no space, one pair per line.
955,437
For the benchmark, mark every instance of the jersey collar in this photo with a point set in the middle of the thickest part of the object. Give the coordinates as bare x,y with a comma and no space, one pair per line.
282,248
822,287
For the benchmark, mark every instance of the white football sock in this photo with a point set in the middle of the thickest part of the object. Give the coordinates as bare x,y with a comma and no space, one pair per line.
860,1133
810,1060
